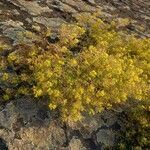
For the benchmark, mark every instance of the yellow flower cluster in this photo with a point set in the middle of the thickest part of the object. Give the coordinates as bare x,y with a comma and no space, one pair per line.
109,68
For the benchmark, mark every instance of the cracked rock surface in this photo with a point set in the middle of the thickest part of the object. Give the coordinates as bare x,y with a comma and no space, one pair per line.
17,16
26,124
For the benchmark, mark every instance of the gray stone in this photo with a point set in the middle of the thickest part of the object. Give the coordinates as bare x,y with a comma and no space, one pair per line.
91,1
18,34
106,137
8,116
22,127
33,7
49,22
63,7
76,144
90,124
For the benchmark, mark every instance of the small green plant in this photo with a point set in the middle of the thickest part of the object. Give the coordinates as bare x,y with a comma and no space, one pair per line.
136,134
91,67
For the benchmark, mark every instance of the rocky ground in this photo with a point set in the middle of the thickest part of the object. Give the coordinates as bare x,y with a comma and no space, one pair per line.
18,16
28,125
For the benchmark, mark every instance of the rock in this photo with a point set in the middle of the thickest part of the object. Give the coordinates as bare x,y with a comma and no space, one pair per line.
91,1
18,16
90,124
51,137
33,7
49,22
8,116
106,137
17,33
63,7
26,125
76,144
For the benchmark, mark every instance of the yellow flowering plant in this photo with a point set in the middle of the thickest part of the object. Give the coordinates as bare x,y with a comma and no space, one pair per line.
91,67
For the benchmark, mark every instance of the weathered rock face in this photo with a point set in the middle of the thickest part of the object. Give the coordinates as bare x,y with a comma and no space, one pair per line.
25,124
18,16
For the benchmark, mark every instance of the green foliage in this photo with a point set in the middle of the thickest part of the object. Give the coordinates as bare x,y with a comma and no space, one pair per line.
136,135
92,66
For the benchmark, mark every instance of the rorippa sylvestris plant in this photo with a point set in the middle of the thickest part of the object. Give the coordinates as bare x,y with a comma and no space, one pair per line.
90,68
